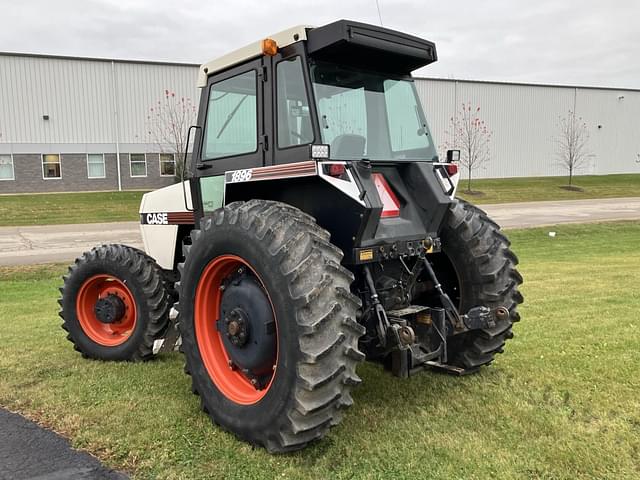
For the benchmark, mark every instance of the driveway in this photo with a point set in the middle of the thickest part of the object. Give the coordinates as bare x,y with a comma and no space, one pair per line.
537,214
28,451
63,243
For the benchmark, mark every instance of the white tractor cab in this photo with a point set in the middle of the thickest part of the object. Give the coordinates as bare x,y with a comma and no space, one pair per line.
317,227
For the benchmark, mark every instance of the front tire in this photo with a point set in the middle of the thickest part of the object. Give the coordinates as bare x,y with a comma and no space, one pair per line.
287,379
114,304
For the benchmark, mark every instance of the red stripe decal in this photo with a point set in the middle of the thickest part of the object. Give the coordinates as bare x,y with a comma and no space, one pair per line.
181,218
281,171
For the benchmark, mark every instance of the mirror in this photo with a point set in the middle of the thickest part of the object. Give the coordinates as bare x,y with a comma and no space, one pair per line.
453,156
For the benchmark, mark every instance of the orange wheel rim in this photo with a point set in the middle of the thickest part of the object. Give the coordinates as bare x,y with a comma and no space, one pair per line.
105,334
232,383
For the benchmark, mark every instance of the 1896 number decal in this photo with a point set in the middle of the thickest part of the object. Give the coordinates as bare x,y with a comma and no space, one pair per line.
241,175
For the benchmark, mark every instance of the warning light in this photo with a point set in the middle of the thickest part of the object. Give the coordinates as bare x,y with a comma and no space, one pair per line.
269,47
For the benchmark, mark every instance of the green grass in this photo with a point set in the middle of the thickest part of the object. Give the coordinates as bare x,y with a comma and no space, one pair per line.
562,402
506,190
59,208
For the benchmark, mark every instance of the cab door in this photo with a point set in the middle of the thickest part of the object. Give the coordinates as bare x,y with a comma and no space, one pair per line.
233,136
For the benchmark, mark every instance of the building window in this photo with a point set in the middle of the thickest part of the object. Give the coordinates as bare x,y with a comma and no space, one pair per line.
138,164
167,165
95,165
51,166
6,167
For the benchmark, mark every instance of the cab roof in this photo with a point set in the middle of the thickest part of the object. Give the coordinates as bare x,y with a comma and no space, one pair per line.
248,52
343,42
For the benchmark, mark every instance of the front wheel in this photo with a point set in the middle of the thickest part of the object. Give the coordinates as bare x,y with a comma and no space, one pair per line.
114,303
268,324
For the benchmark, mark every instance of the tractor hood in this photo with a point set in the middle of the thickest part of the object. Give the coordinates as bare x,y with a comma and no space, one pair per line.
371,47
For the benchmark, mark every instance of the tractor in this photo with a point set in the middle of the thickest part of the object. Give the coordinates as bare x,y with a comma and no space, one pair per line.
316,226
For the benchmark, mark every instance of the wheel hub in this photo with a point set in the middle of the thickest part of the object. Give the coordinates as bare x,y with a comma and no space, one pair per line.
237,325
247,326
109,309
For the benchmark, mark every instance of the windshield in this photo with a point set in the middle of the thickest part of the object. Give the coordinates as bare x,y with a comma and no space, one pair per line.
369,115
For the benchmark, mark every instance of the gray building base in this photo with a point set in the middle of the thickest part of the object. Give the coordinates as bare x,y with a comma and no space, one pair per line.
28,175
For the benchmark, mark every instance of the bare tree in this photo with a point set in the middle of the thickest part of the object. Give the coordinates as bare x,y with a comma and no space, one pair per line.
572,143
471,135
167,124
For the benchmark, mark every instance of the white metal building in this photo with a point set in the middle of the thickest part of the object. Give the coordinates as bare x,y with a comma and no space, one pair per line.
85,113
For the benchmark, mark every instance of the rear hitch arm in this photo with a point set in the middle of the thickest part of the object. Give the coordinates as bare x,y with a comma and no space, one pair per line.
384,328
475,318
450,310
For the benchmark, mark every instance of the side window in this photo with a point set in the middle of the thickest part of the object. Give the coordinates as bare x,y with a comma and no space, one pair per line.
405,126
342,111
232,122
294,121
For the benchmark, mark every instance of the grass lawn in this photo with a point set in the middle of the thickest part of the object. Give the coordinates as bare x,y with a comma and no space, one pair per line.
505,190
562,402
58,208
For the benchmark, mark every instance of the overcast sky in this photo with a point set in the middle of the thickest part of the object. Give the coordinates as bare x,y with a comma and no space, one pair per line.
587,42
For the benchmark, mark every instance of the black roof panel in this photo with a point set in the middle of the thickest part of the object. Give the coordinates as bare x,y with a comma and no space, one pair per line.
378,48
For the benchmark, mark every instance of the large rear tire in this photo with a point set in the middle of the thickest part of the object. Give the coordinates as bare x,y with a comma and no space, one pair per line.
478,268
279,375
114,304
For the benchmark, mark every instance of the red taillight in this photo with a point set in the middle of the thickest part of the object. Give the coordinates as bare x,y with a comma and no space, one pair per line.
452,169
336,169
390,203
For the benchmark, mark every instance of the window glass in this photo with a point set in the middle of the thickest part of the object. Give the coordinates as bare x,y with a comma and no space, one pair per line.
51,166
294,121
6,167
342,112
95,165
167,165
138,164
232,120
367,114
212,192
406,128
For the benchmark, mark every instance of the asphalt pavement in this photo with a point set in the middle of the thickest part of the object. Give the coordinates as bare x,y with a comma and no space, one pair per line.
537,214
28,451
63,243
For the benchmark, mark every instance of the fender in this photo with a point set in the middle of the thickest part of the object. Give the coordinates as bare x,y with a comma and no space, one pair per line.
162,213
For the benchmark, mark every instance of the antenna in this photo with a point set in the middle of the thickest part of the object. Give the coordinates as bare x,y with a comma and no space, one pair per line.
379,14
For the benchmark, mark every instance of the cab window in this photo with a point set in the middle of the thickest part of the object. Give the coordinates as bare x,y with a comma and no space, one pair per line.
294,121
232,122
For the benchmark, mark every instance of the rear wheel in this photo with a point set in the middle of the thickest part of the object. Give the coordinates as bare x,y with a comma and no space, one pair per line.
114,304
268,324
477,267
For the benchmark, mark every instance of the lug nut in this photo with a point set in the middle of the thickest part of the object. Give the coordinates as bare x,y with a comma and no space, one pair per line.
502,313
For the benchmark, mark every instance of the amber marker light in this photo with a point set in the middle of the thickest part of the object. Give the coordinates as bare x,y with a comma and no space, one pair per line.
269,47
